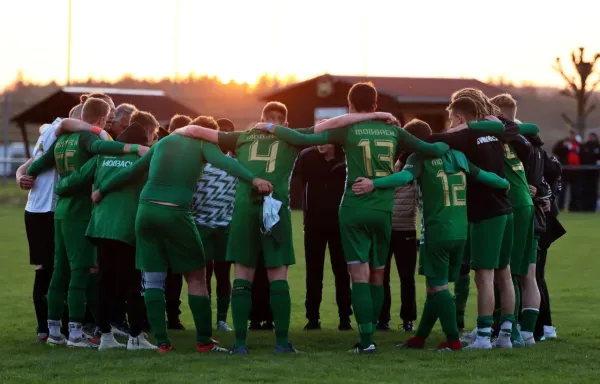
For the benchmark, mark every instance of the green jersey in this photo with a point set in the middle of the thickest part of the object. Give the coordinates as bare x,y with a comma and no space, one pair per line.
442,190
174,166
514,172
68,154
370,149
266,156
114,217
443,186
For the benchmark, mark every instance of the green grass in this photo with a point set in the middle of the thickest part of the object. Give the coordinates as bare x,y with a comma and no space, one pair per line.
572,276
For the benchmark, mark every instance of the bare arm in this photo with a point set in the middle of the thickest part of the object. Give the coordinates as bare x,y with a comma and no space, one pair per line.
199,133
25,182
353,118
73,125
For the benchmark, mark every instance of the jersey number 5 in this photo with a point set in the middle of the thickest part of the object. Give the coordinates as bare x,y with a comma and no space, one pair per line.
269,158
388,157
455,201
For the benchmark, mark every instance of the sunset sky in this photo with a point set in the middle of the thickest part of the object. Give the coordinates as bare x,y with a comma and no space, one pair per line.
241,39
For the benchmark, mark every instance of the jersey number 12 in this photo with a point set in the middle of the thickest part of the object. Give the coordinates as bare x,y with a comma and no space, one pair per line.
454,200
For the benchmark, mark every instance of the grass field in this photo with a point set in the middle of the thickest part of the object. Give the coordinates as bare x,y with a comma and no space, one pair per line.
572,276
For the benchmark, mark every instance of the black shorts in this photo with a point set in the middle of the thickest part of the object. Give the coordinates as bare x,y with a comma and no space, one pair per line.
40,235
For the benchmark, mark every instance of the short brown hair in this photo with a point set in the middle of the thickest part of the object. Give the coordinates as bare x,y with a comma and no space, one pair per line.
145,119
464,107
94,110
226,125
179,121
363,96
507,105
418,128
76,110
206,122
124,109
277,107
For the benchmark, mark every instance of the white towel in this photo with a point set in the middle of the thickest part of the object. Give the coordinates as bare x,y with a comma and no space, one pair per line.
271,207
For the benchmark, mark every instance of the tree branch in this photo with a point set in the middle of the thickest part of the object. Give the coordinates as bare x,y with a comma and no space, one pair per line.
567,120
589,110
559,68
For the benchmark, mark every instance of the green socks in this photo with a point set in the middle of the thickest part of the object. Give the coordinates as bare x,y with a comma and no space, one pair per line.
377,295
222,307
428,319
155,307
446,310
241,305
528,319
461,293
362,303
281,305
497,305
56,298
202,314
484,326
77,294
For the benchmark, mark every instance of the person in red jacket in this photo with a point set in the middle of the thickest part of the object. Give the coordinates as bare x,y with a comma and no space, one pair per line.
567,151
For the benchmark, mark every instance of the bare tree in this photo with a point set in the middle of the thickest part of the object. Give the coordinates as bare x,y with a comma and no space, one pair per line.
580,89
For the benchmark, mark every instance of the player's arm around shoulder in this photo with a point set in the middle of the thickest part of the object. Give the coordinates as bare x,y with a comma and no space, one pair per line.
73,183
43,163
412,170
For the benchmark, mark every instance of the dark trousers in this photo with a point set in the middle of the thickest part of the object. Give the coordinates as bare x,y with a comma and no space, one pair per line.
316,240
545,316
404,249
221,270
571,180
117,273
589,190
261,300
173,287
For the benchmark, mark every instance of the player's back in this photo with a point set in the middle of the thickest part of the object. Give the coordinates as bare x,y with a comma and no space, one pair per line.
443,186
175,167
514,172
486,151
268,158
70,154
370,150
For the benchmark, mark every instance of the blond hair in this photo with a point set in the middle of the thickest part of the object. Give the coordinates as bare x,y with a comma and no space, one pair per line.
482,103
507,105
94,110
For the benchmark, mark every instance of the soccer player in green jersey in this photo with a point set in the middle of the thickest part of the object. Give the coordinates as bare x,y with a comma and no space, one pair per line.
112,230
443,183
524,253
74,254
165,231
365,221
273,160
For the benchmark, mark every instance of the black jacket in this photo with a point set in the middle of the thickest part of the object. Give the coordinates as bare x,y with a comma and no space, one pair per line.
534,169
323,183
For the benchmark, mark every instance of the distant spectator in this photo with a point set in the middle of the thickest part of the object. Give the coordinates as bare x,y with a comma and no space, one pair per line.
567,152
590,155
122,118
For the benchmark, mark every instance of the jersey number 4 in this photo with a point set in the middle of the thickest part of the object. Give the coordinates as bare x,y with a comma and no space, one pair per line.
269,158
388,157
454,189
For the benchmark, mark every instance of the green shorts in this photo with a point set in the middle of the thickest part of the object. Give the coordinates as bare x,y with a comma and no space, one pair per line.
366,235
440,261
246,241
524,251
167,238
490,242
214,241
71,245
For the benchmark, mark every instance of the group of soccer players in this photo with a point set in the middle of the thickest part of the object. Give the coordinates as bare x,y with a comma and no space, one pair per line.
144,204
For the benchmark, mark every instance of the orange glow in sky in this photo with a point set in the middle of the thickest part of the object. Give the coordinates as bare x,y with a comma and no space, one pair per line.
240,40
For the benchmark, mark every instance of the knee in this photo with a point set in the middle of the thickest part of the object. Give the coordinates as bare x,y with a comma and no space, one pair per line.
359,272
377,276
279,273
154,280
79,279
